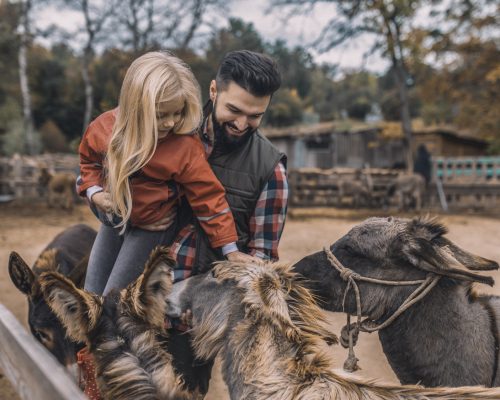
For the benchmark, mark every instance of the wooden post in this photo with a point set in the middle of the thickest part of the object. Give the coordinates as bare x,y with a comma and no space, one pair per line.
32,370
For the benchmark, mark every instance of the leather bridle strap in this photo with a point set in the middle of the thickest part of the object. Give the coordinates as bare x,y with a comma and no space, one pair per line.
351,277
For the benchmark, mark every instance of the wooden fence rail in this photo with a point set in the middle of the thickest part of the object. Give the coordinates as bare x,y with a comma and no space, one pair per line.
32,370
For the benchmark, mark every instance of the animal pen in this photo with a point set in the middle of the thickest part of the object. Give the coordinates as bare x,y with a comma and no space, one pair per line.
19,175
31,369
471,183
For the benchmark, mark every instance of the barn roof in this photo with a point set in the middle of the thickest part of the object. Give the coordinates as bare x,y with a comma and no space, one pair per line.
389,130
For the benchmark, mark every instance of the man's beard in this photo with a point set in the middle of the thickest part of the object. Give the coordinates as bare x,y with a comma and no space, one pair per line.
224,142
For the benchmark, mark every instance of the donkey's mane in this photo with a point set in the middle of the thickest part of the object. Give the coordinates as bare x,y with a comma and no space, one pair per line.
272,291
46,262
430,225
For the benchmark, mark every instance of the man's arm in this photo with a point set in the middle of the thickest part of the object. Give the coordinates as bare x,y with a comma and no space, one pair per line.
268,220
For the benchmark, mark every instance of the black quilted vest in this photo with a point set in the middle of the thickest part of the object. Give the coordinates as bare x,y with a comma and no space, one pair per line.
243,172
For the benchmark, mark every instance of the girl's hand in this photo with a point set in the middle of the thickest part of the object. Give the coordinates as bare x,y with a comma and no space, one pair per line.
238,256
162,224
103,201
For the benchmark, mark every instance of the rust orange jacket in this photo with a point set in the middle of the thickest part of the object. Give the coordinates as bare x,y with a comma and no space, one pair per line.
180,158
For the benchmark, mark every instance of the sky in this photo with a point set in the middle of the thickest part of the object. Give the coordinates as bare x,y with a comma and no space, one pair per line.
271,25
304,30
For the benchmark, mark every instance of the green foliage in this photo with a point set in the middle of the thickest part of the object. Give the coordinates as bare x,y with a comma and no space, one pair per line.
322,95
109,71
295,67
52,138
389,101
9,17
14,139
286,108
9,111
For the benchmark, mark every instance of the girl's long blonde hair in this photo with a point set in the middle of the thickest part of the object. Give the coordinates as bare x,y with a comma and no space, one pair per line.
152,78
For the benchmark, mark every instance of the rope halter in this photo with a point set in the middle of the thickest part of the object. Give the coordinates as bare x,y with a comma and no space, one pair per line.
350,332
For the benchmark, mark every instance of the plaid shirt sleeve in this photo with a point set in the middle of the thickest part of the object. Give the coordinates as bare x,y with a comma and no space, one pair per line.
268,220
266,227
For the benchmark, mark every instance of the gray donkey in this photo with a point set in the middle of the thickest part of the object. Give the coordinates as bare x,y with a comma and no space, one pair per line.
267,328
447,338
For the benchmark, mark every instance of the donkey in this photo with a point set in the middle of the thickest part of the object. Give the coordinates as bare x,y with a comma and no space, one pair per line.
408,191
450,336
267,328
124,331
68,254
59,188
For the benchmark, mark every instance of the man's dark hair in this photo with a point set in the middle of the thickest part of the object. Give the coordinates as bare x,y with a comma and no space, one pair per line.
254,72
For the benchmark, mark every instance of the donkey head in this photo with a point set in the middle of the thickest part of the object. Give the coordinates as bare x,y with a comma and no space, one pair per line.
394,249
124,330
233,294
44,325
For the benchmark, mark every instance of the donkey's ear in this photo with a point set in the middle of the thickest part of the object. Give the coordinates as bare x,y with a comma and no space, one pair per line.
21,274
150,290
429,256
268,297
469,260
77,309
77,274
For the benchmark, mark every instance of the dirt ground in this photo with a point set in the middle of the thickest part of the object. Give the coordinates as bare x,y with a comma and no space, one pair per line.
27,229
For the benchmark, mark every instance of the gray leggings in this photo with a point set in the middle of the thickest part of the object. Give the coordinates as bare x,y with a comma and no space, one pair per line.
116,260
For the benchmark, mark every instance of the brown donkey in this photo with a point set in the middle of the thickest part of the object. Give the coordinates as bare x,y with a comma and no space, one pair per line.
267,328
67,254
124,331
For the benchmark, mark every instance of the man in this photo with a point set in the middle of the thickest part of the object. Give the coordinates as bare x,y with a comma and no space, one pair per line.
253,173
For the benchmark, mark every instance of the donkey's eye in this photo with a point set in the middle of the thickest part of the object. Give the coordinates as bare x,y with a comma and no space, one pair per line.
349,249
212,274
72,308
42,336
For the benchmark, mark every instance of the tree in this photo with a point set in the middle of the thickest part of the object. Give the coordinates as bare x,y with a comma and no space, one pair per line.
295,66
385,20
109,71
238,35
9,84
465,90
323,96
137,17
150,24
25,37
355,94
95,17
286,108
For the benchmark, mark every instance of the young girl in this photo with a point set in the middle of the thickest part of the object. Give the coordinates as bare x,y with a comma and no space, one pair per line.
137,160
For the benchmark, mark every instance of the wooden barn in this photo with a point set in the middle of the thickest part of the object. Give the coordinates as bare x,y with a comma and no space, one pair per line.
356,144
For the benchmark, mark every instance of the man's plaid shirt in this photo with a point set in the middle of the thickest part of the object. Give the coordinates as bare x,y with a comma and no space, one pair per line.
266,224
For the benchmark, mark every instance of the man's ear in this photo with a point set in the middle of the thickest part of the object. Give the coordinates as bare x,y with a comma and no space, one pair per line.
213,90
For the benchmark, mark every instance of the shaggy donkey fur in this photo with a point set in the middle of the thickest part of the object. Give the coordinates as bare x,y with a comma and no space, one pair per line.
450,337
124,331
267,328
67,254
